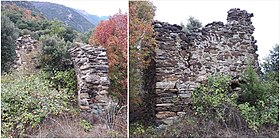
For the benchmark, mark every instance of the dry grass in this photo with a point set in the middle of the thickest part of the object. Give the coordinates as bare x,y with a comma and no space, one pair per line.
193,126
68,126
199,127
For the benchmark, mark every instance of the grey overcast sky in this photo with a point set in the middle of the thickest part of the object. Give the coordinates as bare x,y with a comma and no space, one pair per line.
266,18
96,7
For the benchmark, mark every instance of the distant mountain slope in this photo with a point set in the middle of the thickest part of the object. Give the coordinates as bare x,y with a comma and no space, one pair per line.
66,15
23,4
94,19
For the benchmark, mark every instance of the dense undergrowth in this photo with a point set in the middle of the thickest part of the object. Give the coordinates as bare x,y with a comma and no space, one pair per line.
218,111
27,99
40,105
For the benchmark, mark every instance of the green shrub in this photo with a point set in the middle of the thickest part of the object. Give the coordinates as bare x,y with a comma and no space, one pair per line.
85,125
260,99
253,88
139,131
249,113
65,80
213,99
258,102
272,79
68,34
54,53
264,112
25,32
26,100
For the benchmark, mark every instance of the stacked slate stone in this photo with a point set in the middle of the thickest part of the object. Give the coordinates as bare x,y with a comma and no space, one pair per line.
26,53
172,60
183,61
91,67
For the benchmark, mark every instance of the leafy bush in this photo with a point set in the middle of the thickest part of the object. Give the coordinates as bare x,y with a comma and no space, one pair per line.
55,60
254,88
249,114
85,125
260,97
139,131
54,53
26,100
25,32
68,34
67,81
13,15
214,98
258,102
264,112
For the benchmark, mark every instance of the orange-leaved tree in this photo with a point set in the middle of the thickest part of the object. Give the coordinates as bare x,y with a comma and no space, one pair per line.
141,45
112,34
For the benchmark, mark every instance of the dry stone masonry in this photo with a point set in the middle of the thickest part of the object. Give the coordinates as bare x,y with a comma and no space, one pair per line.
91,67
184,60
27,52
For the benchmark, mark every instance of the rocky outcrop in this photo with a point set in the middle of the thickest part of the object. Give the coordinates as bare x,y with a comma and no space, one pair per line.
27,52
91,67
183,61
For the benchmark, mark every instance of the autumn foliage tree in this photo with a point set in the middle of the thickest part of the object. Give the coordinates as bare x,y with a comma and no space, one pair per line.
112,34
141,47
141,14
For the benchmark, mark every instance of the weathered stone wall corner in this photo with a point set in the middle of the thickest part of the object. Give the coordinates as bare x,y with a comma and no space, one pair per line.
91,67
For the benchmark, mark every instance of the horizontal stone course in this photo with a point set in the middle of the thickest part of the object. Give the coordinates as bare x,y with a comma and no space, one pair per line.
91,67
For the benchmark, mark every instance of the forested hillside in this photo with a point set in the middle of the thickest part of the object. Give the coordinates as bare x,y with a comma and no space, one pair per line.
67,15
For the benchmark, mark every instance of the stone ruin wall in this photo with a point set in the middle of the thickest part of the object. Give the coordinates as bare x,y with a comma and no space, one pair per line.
27,51
91,67
183,60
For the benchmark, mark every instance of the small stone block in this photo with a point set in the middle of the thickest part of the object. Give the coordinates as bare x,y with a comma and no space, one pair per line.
84,95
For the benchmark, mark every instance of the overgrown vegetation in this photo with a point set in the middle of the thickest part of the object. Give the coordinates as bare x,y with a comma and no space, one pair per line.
258,101
85,125
139,131
26,100
218,111
56,37
215,99
45,100
54,55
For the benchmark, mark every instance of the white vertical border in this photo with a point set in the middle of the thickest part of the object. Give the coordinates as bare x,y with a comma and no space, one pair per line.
127,93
